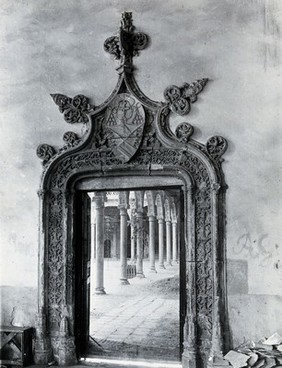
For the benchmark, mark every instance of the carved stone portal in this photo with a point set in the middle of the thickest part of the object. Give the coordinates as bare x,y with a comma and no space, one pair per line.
129,136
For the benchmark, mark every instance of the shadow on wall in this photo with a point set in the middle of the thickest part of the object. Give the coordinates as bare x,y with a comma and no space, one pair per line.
19,306
237,276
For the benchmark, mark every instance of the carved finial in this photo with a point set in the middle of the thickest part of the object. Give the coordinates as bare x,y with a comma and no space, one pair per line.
126,22
180,98
75,110
127,43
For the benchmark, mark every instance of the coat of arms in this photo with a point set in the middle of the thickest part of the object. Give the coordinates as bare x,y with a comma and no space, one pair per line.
124,123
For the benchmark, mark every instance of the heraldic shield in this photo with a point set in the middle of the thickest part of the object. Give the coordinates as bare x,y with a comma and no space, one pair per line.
124,124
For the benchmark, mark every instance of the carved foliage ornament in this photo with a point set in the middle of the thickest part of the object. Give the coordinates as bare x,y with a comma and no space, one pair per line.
216,146
45,152
180,98
184,131
75,110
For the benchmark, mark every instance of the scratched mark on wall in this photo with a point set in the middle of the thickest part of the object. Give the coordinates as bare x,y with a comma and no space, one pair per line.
272,32
257,248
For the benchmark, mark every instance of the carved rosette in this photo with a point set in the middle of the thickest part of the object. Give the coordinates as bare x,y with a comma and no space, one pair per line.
70,138
45,152
183,132
180,98
75,110
216,147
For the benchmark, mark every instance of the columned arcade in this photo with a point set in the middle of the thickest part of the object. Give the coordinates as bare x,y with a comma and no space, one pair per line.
132,226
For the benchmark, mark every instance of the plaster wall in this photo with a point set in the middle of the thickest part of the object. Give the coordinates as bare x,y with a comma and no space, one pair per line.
48,47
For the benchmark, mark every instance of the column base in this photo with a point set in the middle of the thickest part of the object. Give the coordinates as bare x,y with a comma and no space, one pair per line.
161,266
153,270
169,263
124,282
43,354
140,275
189,359
100,291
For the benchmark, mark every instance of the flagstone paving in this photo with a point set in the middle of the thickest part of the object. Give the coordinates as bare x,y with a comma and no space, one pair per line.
140,320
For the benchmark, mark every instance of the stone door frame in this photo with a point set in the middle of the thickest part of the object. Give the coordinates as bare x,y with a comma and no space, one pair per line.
152,150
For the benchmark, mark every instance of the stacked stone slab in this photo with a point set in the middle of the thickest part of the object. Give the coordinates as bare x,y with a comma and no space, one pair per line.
266,353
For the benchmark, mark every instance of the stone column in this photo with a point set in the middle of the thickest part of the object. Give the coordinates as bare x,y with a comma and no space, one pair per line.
152,223
161,242
168,242
174,241
99,210
133,237
123,245
114,247
139,243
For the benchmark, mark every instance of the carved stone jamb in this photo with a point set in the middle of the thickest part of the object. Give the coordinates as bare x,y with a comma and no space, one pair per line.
190,347
43,354
66,347
217,343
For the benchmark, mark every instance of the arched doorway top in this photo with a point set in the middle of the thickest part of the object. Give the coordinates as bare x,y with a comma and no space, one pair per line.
129,136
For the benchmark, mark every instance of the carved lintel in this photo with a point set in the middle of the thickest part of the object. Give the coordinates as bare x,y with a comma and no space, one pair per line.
216,147
180,98
45,152
75,110
184,131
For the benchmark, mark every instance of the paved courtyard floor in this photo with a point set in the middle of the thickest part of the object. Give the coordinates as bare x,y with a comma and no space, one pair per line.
140,320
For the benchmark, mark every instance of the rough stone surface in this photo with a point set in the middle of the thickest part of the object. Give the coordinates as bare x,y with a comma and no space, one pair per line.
237,360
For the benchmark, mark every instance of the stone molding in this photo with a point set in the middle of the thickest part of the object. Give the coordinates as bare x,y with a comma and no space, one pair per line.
158,151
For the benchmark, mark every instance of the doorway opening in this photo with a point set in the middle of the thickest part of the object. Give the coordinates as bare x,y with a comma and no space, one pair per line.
133,261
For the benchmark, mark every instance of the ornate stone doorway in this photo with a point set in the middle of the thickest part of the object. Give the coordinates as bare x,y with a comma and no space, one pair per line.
128,140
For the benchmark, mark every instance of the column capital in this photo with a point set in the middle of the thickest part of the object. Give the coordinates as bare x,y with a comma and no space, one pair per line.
139,214
123,210
99,200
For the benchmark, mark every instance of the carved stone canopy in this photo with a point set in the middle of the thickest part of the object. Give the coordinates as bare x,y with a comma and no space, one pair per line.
128,139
